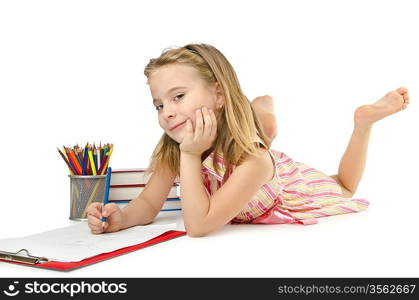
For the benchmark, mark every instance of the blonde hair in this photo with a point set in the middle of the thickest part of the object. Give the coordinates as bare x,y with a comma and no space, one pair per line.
237,123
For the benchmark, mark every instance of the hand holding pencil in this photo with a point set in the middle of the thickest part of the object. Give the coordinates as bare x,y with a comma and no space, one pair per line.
114,220
109,214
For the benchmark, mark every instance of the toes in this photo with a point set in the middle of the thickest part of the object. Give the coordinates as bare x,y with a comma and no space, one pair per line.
406,98
405,93
265,98
263,104
402,90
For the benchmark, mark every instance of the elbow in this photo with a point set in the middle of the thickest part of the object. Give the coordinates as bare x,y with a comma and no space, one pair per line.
195,233
199,231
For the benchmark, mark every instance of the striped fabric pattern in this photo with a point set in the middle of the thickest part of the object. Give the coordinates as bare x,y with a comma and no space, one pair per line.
297,193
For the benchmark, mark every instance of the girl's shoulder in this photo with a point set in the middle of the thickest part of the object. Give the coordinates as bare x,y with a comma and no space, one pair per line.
263,153
263,161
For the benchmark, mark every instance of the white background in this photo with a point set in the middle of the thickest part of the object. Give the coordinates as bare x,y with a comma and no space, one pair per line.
72,72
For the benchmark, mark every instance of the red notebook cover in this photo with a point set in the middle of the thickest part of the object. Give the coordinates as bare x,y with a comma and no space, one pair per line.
68,266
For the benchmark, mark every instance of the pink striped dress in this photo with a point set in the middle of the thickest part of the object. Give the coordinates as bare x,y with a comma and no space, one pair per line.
297,193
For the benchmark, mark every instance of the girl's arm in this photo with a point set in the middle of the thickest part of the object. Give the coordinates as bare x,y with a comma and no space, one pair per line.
143,209
202,214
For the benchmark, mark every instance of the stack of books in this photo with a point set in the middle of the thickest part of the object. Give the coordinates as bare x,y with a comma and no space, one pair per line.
127,184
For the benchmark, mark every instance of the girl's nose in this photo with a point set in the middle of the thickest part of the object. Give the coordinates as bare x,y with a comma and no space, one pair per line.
168,112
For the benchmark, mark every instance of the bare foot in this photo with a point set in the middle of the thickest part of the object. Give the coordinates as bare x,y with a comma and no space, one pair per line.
264,109
392,102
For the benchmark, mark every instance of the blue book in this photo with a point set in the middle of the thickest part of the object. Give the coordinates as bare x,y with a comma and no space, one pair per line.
171,204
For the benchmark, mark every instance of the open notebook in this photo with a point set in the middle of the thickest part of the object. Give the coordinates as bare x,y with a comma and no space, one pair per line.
75,246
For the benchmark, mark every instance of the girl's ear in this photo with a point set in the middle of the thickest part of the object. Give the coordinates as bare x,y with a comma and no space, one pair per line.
219,101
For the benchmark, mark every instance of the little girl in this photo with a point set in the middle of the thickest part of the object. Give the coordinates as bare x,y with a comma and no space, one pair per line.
217,144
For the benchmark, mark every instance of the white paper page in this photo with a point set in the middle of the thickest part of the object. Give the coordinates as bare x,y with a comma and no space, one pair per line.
76,242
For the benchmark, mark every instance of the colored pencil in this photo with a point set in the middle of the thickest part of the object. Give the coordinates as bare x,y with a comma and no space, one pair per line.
97,158
94,153
80,152
101,150
75,161
70,159
106,154
72,171
85,160
78,157
107,186
105,150
65,152
107,162
102,163
92,163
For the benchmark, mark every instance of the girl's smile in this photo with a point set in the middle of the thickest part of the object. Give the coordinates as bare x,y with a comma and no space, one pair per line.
177,126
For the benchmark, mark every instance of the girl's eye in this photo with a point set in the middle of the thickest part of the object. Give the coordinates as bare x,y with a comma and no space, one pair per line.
161,105
180,95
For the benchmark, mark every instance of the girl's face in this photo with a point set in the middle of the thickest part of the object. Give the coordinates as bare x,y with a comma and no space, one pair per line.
177,93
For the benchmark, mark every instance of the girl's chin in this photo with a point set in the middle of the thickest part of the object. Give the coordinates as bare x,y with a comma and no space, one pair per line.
177,139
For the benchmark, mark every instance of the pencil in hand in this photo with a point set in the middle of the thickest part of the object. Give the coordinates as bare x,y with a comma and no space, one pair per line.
105,200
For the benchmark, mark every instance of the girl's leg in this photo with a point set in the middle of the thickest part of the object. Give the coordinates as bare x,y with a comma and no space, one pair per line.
352,164
264,109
